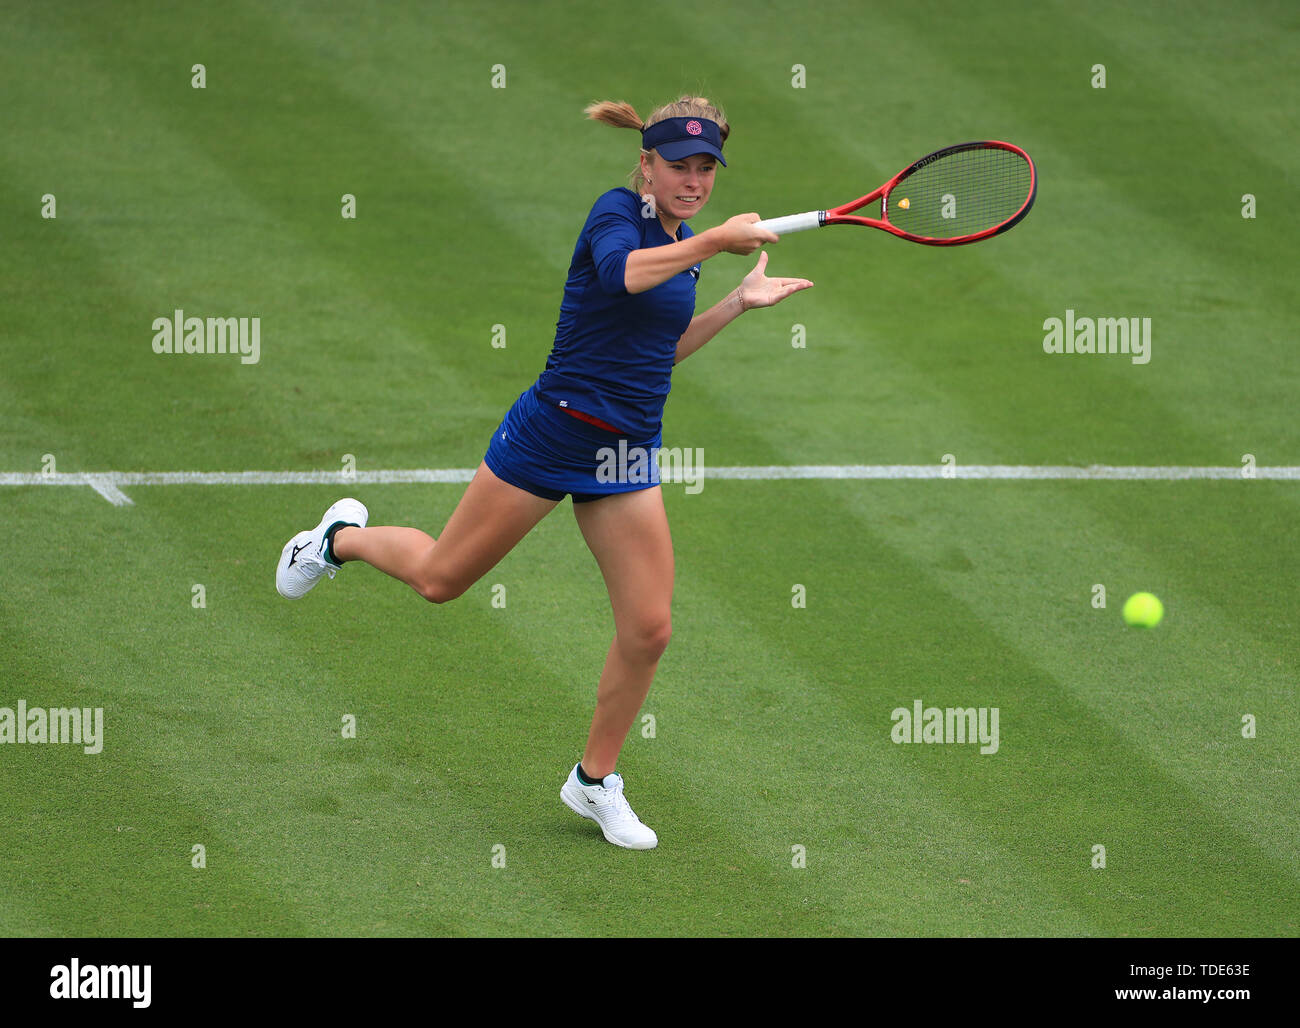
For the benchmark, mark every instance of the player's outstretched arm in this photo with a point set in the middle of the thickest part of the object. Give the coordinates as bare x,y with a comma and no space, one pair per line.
755,290
647,268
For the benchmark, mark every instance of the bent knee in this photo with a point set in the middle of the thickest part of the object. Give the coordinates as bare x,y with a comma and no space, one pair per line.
647,640
440,590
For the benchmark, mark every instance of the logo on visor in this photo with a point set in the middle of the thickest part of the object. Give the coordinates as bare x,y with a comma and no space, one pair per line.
694,128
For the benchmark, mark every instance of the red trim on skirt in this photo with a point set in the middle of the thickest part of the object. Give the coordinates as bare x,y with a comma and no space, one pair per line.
590,420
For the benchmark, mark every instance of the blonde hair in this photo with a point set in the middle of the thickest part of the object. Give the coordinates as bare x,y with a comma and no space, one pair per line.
623,115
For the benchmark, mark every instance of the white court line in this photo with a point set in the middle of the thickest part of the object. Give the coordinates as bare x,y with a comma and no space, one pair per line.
107,488
109,483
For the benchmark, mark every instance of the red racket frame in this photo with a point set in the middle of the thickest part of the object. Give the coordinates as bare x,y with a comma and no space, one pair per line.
840,215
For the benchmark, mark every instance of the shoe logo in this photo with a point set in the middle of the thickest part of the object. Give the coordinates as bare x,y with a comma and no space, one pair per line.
294,556
591,801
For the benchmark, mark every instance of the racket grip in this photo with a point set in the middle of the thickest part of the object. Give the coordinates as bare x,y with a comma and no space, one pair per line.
792,223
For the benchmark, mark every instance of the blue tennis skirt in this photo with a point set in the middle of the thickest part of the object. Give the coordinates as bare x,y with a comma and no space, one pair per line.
542,450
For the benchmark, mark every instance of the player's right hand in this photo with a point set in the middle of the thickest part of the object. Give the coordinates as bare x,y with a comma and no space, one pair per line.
738,234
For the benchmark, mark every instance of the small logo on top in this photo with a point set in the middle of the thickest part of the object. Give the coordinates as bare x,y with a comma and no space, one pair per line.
694,128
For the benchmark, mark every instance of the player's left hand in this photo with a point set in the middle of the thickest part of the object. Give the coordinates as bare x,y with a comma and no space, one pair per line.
757,290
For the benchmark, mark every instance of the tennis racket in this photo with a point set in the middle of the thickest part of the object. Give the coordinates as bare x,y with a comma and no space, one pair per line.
956,195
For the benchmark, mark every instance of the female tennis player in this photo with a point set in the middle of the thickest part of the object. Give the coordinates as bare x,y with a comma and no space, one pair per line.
628,315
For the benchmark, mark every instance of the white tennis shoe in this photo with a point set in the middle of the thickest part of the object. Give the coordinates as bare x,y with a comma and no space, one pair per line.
606,805
302,561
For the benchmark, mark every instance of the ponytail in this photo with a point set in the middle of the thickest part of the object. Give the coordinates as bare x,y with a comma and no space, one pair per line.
618,114
623,115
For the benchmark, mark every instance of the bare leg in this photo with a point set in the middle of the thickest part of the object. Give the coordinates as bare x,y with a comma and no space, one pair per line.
628,535
488,522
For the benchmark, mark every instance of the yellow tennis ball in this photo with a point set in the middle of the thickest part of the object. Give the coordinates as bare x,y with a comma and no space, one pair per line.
1143,610
905,203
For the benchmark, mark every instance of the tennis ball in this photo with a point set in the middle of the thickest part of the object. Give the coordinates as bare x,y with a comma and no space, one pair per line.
905,203
1143,610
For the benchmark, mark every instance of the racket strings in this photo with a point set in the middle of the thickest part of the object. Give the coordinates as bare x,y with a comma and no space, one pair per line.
961,193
